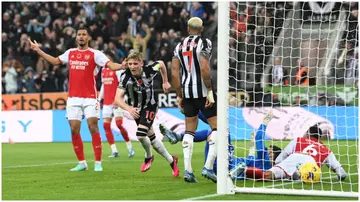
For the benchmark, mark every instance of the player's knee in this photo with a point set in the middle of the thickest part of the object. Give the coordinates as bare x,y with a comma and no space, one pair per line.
93,128
141,132
75,129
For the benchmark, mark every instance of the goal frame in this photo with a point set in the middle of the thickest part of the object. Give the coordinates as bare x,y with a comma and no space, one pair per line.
224,183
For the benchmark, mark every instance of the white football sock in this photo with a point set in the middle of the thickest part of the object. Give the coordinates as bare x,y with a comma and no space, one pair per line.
113,148
160,148
146,144
128,145
209,164
188,146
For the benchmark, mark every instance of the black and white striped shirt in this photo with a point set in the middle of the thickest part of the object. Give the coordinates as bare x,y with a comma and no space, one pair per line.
188,52
139,92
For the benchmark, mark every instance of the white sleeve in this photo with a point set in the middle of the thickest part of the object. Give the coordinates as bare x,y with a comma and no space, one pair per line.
333,164
118,74
101,59
64,58
176,51
289,149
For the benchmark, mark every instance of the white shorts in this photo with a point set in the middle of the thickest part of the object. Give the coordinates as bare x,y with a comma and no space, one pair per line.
289,166
110,111
78,108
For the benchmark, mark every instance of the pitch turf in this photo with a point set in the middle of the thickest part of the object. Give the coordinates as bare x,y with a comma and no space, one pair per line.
41,171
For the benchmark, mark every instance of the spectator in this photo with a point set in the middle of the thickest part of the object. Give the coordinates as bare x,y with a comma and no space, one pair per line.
11,74
197,10
28,82
140,43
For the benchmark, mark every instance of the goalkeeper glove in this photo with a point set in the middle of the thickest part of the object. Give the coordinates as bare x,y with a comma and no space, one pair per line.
210,96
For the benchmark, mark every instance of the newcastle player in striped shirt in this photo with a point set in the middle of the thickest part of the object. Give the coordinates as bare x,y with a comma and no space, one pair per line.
136,95
194,94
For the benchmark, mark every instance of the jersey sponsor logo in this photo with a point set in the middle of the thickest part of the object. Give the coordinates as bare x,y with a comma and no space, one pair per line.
76,64
87,57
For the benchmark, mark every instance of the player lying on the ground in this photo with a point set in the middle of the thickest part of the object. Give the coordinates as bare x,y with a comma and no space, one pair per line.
300,151
258,158
110,81
136,95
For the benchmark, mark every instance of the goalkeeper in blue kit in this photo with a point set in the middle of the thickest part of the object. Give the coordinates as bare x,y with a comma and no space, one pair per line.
260,157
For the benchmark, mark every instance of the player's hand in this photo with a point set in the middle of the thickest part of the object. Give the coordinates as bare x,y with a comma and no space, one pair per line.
180,104
34,45
124,64
166,86
209,99
134,113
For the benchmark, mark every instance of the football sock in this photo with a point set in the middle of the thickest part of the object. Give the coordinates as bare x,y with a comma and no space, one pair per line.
188,146
123,131
108,133
145,141
113,148
160,148
200,136
78,147
255,173
212,151
96,143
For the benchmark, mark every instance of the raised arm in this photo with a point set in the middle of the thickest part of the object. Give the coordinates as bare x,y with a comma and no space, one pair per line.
35,47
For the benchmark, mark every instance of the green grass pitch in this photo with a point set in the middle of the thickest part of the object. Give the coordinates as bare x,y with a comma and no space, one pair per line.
38,171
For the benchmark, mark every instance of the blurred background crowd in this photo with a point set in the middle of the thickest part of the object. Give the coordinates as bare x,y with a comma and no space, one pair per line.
154,29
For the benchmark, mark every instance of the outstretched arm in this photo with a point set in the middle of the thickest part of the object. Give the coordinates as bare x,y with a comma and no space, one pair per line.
35,47
259,141
116,66
334,165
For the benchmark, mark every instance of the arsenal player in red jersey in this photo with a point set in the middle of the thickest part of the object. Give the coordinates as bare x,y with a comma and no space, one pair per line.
110,82
307,149
83,63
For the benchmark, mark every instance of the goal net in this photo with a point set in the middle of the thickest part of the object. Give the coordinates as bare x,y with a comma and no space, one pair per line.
300,61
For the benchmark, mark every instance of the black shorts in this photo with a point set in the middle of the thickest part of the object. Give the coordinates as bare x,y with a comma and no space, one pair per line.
192,106
147,115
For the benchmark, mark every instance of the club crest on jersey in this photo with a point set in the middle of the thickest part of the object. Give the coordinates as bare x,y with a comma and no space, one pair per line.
87,57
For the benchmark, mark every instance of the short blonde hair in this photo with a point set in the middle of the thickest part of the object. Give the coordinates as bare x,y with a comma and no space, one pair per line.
195,23
134,55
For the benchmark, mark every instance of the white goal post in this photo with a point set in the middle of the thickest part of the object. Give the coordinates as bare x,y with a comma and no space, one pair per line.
294,35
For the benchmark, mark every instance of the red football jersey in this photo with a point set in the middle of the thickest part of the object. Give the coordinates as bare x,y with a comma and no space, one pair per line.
110,81
313,148
83,65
